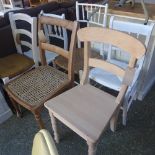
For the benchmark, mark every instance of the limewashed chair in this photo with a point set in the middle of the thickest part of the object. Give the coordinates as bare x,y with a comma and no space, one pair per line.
86,109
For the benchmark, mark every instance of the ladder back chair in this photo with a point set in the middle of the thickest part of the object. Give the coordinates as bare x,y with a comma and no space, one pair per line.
90,15
120,58
19,63
86,109
33,88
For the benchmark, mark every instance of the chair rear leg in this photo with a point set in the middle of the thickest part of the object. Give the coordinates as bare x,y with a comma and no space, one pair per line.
18,111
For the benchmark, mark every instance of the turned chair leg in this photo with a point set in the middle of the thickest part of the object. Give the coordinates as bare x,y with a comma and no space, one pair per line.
91,148
113,121
18,112
55,129
39,120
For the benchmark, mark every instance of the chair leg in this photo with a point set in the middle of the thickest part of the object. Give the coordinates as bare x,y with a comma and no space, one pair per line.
18,112
124,115
39,120
91,148
55,129
113,121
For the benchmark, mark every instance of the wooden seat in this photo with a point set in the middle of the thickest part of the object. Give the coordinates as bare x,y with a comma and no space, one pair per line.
34,3
17,64
33,88
86,109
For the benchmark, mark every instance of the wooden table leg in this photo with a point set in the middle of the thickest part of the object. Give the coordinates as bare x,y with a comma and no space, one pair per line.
54,126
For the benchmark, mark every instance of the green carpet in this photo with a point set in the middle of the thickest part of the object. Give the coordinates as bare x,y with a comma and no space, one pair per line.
137,138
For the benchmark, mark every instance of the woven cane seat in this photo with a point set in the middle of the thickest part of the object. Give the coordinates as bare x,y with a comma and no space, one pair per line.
14,64
38,85
79,60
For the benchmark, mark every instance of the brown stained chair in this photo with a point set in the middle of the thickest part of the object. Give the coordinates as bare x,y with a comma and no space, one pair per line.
34,3
32,89
86,109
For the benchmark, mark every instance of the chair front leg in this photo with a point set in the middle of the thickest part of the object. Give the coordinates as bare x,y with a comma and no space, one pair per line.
37,116
55,129
91,148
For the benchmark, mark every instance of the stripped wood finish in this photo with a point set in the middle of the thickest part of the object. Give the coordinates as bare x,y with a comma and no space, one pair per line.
32,89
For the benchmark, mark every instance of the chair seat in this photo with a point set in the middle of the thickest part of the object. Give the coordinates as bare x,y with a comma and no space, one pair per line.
105,78
85,109
79,60
14,64
38,85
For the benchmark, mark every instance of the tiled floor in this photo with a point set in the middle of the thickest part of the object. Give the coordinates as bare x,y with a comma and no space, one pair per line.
137,138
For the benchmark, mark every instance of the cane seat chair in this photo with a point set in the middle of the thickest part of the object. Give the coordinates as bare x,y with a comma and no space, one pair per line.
15,64
86,109
33,88
88,15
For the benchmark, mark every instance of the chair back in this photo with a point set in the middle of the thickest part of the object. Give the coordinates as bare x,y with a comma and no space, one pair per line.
55,31
45,46
91,15
43,144
125,42
23,36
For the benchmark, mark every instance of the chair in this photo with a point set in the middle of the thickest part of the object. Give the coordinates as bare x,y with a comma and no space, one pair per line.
86,15
116,56
43,144
86,109
33,88
19,63
58,33
34,3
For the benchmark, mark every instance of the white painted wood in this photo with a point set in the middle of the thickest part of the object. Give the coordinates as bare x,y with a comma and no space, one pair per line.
5,111
93,15
14,18
60,33
116,56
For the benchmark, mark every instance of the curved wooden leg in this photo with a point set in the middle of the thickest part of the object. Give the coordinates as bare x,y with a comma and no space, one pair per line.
91,148
54,126
39,120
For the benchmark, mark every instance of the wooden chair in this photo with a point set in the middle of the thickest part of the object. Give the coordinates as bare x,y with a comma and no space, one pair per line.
86,109
52,31
15,64
34,3
43,144
35,87
90,15
120,58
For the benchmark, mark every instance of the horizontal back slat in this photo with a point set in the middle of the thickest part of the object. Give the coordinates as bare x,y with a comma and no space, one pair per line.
122,41
56,49
106,66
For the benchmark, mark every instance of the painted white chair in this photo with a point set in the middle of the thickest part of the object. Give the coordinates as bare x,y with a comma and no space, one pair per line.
119,58
92,15
53,32
19,62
